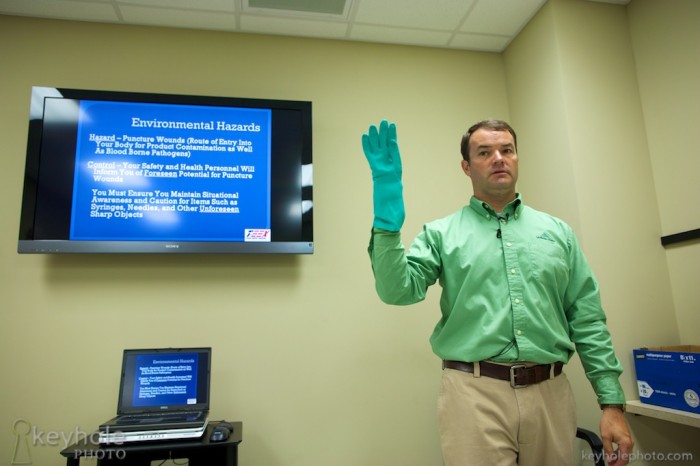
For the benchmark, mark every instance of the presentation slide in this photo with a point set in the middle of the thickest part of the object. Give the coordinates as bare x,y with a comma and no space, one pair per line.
165,380
171,172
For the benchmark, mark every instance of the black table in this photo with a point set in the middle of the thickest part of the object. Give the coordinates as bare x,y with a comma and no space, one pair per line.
199,452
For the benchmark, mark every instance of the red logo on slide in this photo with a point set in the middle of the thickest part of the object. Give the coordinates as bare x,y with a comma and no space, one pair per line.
259,234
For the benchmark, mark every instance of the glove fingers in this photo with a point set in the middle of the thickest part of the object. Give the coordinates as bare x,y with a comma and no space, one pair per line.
381,149
367,147
370,146
370,140
391,134
383,135
394,155
374,143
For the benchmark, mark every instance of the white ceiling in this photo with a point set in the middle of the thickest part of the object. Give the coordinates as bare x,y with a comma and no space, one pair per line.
480,25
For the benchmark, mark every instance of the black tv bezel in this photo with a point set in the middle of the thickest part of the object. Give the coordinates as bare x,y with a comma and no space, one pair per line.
28,244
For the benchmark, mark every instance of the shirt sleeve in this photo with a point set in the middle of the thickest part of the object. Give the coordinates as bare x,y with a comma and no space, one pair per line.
400,279
588,329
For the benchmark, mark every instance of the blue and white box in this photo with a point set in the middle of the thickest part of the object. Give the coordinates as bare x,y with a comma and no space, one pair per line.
669,376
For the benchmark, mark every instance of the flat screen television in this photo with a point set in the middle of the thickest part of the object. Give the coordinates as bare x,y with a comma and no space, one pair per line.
126,172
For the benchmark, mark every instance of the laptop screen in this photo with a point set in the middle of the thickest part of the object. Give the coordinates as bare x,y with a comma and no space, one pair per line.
165,380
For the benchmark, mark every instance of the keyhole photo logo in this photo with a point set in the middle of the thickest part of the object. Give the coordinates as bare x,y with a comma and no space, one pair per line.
28,436
21,453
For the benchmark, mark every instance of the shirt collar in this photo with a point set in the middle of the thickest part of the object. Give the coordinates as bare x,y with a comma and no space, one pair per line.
511,210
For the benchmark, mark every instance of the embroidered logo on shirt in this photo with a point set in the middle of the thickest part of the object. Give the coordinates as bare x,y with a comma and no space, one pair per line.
546,236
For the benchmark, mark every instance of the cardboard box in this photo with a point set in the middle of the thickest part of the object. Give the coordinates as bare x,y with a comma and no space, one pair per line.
669,376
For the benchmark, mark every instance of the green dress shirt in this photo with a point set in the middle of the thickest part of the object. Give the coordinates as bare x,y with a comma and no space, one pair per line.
515,287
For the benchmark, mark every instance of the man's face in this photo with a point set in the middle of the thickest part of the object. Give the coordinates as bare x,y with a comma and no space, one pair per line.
493,163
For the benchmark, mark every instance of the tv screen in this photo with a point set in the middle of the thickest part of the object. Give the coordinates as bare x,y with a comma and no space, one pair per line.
125,172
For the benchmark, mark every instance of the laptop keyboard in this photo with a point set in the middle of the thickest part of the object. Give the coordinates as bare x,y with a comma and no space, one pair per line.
148,418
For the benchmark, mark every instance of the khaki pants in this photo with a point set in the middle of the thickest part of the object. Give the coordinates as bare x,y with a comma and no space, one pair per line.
484,421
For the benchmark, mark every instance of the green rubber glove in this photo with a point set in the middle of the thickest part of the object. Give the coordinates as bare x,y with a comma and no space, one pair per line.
382,152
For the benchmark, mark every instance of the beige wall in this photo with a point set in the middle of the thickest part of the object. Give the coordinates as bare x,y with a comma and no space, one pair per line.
668,81
319,371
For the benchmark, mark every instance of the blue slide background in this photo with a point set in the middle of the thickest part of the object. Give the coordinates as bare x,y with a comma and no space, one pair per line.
144,361
107,118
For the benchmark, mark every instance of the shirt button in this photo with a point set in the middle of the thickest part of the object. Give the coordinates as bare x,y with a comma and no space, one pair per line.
512,270
520,332
517,300
509,244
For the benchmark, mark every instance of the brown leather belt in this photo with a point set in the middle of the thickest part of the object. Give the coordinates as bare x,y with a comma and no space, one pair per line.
519,375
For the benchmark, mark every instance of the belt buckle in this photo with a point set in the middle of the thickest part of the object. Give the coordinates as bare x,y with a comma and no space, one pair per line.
514,368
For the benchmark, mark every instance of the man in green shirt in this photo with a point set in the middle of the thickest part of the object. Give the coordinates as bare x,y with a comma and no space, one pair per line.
518,299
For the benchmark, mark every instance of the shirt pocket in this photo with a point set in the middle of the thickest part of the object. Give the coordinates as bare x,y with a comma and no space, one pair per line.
548,262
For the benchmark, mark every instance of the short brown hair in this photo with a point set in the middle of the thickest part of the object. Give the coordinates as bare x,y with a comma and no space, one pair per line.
496,125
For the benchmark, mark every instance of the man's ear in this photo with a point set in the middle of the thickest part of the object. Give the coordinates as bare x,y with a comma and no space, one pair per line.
465,168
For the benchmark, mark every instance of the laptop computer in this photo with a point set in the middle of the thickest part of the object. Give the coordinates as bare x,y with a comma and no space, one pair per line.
163,394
